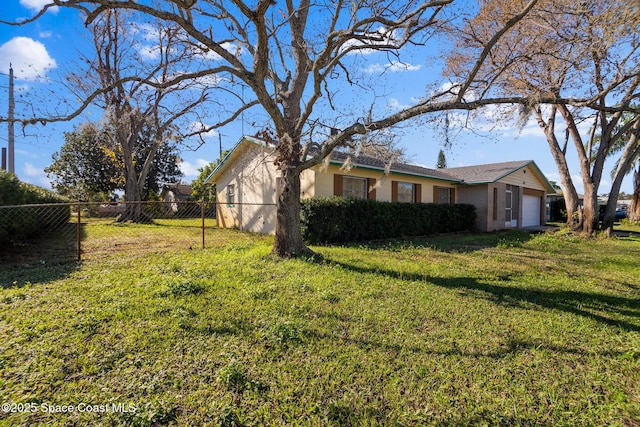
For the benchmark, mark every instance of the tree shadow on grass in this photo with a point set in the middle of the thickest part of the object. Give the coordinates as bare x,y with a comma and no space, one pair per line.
43,258
511,345
600,307
457,242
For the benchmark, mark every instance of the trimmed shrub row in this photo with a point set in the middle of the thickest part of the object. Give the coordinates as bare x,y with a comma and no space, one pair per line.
22,222
337,219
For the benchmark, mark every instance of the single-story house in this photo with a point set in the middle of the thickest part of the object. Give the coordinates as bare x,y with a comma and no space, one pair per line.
175,193
506,195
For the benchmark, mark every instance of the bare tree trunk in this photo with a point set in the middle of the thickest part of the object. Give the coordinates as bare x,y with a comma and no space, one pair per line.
569,192
571,199
589,219
590,212
634,209
132,190
624,166
288,239
610,211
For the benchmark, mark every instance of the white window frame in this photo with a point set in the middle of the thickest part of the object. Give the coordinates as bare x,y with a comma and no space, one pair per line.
355,193
508,206
231,195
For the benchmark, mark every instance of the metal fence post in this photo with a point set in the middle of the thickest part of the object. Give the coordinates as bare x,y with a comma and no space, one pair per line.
202,216
79,232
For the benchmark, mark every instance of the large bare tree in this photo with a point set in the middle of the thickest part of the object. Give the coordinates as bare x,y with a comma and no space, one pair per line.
121,72
295,57
564,49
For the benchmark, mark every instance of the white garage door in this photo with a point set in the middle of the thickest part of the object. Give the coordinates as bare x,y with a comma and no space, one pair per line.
530,211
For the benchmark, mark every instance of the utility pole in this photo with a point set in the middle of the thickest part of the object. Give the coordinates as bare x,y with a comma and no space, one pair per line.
12,107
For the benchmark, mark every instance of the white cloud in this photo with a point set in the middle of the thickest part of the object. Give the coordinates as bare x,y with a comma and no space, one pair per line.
397,66
199,127
37,5
394,67
210,55
395,104
34,175
149,52
531,130
29,58
190,170
45,34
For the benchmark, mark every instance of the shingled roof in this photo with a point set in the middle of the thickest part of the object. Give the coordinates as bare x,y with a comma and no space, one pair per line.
339,158
484,174
477,174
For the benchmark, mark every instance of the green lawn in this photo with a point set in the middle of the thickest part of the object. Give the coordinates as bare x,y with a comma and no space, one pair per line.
494,329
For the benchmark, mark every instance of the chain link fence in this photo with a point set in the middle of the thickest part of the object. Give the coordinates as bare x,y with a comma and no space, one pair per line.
54,233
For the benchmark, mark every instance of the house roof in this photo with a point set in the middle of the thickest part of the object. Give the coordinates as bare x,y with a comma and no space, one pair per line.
471,175
368,162
222,165
493,172
180,190
484,174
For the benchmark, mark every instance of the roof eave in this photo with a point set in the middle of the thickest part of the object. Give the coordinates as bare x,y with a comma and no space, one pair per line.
378,169
222,164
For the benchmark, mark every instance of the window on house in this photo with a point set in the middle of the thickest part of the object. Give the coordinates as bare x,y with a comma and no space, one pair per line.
354,187
231,195
444,195
512,203
406,192
508,211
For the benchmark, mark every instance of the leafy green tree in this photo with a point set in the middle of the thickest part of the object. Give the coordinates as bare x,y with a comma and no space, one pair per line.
90,165
203,191
164,166
442,160
82,169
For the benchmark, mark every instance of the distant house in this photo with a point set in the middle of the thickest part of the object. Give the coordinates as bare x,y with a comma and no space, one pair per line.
506,195
173,194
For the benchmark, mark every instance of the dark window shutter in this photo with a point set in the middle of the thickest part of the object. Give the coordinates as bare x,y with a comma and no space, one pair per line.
394,191
418,189
337,185
371,189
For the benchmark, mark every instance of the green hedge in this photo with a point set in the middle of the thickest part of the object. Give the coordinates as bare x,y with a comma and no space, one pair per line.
22,222
337,219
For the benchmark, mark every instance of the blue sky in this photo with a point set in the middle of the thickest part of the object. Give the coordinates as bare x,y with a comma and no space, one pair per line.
43,52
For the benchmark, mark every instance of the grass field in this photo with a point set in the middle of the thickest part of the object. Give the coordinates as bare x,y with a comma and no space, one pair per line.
489,329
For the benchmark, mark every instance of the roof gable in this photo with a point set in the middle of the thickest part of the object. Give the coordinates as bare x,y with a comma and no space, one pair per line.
231,155
493,172
488,173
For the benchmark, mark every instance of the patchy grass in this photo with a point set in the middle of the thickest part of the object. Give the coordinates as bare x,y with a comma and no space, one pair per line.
627,227
491,329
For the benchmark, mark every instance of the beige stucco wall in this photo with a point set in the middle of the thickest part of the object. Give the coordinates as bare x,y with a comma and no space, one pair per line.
308,184
482,197
252,172
324,182
527,177
254,176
